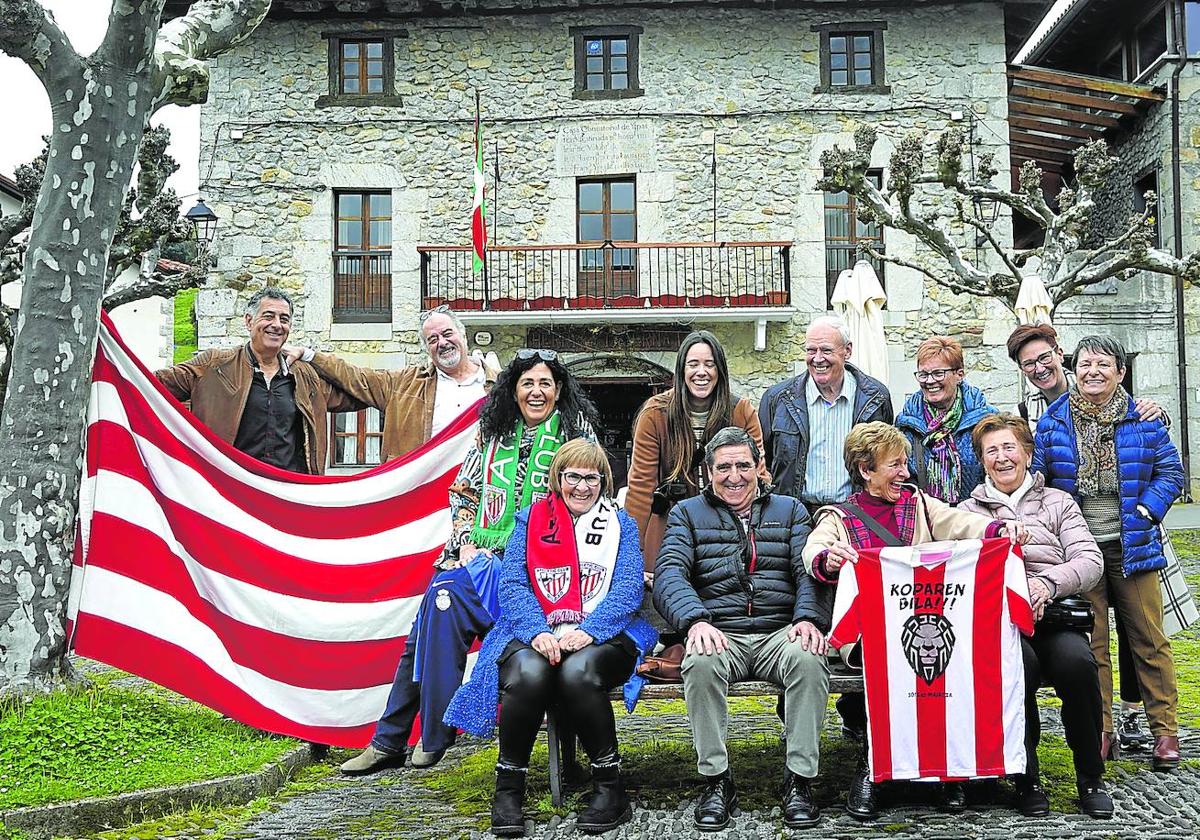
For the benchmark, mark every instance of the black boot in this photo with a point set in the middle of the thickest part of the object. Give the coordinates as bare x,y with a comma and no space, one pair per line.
717,802
1094,799
860,799
1032,800
799,807
507,818
609,806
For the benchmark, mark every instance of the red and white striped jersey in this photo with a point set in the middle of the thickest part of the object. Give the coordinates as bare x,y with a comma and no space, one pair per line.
940,625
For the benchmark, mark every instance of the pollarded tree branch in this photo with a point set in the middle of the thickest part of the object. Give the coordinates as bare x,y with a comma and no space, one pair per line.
28,32
160,283
209,28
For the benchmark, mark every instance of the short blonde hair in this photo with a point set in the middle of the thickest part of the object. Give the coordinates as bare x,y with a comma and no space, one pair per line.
868,443
581,452
940,345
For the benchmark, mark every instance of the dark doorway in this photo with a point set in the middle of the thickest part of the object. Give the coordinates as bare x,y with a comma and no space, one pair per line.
618,401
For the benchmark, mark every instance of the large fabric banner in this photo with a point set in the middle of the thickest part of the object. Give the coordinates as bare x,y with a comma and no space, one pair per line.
280,600
940,625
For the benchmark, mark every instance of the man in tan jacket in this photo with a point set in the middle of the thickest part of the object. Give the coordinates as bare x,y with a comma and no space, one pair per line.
420,400
252,398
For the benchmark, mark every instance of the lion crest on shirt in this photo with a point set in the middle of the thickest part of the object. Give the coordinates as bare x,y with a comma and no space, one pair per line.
928,640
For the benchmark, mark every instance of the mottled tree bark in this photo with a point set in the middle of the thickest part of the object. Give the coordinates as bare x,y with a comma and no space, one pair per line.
100,108
1065,266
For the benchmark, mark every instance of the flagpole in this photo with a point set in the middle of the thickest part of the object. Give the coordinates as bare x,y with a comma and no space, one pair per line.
495,188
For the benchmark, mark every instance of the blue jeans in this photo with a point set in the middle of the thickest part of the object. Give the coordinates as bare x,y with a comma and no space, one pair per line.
451,617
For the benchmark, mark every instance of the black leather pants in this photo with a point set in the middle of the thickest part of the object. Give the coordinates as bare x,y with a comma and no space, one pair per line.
577,688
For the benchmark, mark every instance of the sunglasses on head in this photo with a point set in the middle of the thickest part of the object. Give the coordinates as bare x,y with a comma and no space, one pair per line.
544,355
443,309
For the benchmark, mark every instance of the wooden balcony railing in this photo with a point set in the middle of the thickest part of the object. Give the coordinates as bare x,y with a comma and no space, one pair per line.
362,286
609,275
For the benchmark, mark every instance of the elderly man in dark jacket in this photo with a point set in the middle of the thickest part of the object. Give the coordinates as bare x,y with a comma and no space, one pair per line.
730,576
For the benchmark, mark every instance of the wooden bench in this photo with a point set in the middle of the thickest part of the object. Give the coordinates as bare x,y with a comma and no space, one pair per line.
842,680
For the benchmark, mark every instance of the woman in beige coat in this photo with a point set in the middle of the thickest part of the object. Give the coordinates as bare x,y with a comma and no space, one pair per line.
876,456
1061,559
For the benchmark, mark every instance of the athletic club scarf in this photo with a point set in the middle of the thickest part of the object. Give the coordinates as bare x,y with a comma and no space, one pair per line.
570,567
499,503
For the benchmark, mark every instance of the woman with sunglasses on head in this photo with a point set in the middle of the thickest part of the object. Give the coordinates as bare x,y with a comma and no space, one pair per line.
571,584
535,406
938,419
670,432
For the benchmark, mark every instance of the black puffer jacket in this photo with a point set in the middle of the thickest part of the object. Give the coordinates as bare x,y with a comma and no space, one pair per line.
703,567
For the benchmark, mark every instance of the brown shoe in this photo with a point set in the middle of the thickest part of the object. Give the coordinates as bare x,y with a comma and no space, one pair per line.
1166,753
1110,747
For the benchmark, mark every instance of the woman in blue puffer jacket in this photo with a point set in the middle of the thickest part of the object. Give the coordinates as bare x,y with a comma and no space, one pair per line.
938,420
1125,473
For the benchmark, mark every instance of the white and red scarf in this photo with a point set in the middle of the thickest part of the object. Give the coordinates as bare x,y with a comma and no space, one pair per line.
571,566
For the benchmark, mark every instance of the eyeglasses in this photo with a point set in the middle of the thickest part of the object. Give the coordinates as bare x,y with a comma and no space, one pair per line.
574,479
1030,365
932,375
544,355
442,309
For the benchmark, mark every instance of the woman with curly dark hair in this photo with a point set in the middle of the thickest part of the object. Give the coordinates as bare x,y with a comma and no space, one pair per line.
535,406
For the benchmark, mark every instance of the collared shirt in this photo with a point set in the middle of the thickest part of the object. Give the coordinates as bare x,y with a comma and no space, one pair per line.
825,476
452,398
270,429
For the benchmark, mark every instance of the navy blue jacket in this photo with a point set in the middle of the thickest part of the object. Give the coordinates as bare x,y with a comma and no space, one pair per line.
783,415
912,422
1150,473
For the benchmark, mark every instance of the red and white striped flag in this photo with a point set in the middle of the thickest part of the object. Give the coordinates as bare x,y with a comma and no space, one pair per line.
282,601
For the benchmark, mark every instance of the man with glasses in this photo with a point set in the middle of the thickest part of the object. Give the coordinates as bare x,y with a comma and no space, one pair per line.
420,400
805,419
731,577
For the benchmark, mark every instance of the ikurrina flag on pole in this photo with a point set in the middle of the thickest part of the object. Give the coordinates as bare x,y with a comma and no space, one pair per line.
941,627
479,210
280,600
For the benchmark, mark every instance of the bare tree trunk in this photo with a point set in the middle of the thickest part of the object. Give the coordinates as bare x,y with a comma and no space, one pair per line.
100,107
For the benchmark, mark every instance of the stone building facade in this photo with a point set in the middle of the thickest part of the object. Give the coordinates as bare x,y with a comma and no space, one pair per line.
747,81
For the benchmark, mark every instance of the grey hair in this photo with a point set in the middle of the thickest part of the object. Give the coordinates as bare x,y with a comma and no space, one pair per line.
1102,344
833,321
269,293
439,310
730,436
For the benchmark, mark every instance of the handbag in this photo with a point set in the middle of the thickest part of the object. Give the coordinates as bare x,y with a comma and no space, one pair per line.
1071,612
1179,607
664,668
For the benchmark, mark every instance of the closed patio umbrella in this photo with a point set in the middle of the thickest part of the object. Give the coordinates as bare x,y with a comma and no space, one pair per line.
858,298
1033,302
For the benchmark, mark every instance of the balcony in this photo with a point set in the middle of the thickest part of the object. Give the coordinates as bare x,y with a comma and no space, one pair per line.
362,286
612,282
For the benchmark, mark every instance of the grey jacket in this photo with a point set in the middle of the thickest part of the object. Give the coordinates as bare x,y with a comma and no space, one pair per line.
783,414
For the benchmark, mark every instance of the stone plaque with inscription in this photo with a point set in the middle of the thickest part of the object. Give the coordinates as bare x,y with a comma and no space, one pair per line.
606,148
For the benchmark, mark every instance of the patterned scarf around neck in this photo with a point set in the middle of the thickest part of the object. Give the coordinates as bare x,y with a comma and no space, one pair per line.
501,497
943,467
570,561
1096,441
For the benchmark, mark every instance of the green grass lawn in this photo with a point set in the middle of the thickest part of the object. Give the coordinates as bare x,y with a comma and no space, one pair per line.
185,325
103,739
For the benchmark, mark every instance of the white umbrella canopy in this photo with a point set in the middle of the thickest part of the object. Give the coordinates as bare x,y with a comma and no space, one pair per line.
858,298
1033,301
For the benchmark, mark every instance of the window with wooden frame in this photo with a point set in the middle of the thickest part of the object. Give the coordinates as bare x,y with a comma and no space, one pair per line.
362,257
1146,182
362,69
357,438
843,233
606,212
852,57
606,62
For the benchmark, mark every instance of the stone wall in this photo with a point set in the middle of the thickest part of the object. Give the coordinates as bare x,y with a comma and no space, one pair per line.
271,160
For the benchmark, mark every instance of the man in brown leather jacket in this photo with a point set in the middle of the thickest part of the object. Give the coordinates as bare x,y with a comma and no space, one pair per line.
253,399
420,400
